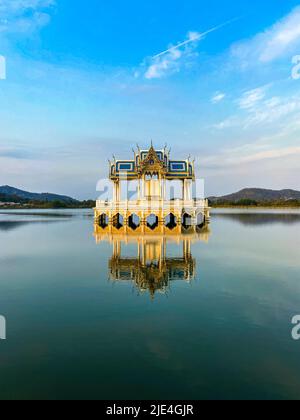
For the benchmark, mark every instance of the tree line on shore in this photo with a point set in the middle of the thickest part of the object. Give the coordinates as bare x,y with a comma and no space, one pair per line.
253,203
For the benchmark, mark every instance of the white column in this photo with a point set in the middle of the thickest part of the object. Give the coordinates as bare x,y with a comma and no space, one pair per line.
187,190
163,195
119,191
139,189
143,188
115,191
194,190
161,187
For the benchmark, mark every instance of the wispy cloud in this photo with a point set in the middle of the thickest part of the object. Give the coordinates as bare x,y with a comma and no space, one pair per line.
273,110
256,107
277,41
13,152
249,153
194,36
251,98
218,97
23,16
171,61
174,58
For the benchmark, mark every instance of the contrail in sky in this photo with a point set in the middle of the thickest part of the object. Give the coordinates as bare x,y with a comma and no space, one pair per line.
196,38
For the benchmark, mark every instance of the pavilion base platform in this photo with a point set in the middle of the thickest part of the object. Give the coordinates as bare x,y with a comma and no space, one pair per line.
144,217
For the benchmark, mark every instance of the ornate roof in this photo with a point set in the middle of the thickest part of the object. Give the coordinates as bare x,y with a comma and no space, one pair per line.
152,162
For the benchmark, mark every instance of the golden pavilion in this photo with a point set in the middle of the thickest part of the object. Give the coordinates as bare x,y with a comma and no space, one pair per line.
152,210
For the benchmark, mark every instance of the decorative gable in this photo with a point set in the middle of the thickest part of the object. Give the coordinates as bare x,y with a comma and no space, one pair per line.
152,164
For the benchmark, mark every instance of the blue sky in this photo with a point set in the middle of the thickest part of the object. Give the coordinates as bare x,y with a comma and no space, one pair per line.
84,80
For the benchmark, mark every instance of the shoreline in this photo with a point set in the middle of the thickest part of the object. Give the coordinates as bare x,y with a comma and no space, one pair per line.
43,208
229,207
256,207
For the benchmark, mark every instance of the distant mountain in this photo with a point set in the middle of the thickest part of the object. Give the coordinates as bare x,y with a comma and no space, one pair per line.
257,195
14,195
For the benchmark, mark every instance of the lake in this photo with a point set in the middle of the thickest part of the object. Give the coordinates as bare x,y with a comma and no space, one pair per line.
90,316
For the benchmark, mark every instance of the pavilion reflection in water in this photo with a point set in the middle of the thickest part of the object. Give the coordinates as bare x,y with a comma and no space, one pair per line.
151,269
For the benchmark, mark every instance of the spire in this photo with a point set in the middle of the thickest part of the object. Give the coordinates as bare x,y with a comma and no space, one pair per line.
152,150
152,163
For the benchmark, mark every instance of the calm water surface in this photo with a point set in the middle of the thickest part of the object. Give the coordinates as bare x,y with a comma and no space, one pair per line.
216,324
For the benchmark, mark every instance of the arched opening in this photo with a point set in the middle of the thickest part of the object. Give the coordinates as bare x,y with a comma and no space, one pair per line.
103,221
118,221
200,220
171,221
152,221
134,221
149,176
186,220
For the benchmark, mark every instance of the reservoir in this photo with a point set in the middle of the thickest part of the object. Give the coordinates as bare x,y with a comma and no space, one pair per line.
201,317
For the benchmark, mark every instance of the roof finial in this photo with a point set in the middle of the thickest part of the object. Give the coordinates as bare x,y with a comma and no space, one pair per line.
137,145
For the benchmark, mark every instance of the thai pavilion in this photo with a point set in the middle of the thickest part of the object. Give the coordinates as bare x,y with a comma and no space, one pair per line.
152,209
